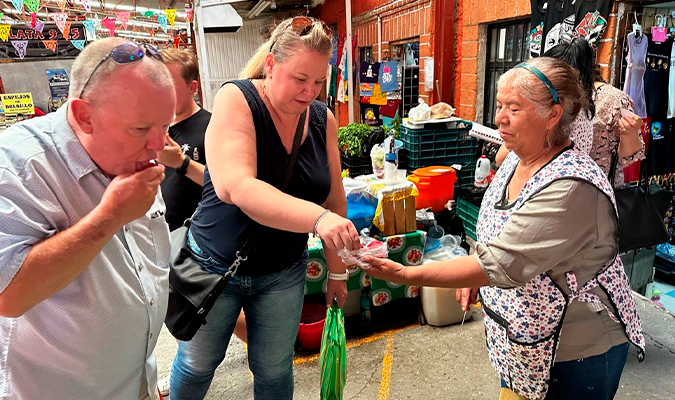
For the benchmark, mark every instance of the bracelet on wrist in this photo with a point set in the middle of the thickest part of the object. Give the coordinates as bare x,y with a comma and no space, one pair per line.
317,220
338,277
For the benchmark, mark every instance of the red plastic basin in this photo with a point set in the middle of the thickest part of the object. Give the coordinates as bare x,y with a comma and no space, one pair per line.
312,320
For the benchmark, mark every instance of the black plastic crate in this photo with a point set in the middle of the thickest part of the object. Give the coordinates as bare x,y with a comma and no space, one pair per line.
357,165
466,176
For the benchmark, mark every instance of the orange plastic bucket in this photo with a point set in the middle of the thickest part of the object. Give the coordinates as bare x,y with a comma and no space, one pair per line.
436,185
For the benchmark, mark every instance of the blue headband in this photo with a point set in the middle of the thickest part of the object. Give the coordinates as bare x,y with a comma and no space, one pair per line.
543,79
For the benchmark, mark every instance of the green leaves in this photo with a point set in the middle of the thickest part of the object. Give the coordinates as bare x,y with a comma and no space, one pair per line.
352,137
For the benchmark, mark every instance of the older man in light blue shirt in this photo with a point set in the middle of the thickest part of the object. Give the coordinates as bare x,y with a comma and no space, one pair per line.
84,247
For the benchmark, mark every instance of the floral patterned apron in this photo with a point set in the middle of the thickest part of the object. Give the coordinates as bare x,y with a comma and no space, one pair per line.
523,325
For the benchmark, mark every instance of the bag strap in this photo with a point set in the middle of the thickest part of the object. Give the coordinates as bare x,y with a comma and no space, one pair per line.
642,177
257,229
612,168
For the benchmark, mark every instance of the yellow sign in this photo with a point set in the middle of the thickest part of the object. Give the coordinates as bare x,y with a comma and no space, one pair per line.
4,32
18,103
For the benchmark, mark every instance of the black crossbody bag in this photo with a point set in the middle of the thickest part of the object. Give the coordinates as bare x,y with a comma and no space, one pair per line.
641,210
192,290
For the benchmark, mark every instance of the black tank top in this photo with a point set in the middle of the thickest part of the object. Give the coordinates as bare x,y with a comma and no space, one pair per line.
220,229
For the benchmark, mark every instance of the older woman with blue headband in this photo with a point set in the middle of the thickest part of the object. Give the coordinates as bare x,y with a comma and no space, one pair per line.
558,309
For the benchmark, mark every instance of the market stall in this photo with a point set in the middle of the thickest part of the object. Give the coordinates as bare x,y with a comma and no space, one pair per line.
402,192
39,39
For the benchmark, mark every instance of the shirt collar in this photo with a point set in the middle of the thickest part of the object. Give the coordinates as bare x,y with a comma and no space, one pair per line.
68,145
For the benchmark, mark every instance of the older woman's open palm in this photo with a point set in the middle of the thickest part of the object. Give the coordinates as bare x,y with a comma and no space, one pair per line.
385,269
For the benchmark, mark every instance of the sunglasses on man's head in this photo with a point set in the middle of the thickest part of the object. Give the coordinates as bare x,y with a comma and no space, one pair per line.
126,53
302,26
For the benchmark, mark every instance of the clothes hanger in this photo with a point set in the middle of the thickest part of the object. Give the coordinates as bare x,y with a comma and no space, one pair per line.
637,28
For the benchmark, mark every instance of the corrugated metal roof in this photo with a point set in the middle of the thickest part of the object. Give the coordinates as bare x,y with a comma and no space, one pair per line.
229,52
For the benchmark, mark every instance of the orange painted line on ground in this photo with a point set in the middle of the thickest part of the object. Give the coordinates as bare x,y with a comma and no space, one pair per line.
354,343
387,362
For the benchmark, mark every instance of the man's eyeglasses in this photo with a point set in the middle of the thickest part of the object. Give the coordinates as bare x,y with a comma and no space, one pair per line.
302,26
126,53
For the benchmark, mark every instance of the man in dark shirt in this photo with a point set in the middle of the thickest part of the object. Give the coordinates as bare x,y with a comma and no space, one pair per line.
184,152
184,156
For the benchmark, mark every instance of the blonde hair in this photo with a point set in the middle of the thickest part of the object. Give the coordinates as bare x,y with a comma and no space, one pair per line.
565,81
86,62
284,43
189,66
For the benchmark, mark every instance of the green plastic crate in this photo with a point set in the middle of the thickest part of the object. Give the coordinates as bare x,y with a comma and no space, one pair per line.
448,145
468,212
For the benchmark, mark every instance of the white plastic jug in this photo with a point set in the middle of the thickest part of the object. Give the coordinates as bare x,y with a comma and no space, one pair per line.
440,306
482,172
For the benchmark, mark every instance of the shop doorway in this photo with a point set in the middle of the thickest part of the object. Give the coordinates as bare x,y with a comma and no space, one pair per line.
408,55
507,46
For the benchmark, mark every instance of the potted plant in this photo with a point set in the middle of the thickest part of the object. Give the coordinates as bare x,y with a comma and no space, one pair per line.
352,142
352,137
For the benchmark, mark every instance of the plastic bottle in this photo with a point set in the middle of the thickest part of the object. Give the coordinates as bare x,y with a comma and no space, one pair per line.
390,159
482,172
364,302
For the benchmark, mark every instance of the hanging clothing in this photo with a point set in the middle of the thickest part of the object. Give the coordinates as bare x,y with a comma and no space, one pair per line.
662,150
566,19
365,89
671,84
538,8
634,84
590,18
369,73
656,78
332,87
388,79
556,24
523,324
670,163
390,109
378,98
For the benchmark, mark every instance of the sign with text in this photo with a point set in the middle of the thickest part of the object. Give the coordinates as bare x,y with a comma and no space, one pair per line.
50,42
18,103
58,87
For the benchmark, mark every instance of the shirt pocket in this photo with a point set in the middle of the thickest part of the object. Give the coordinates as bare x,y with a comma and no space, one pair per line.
160,233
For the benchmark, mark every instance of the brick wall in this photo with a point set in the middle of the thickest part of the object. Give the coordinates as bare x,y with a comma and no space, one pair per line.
400,19
471,14
607,44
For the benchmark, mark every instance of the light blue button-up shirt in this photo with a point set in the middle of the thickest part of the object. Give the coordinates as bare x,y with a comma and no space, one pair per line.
95,338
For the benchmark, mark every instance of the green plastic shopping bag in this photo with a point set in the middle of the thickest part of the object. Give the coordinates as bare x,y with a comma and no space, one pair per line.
333,357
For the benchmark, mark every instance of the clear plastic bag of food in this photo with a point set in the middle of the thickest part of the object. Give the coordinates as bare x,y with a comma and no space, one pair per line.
420,113
377,160
369,247
442,110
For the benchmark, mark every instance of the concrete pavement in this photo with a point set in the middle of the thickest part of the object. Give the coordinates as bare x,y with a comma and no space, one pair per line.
396,358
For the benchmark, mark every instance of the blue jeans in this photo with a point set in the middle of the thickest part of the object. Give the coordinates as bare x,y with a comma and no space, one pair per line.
272,305
592,378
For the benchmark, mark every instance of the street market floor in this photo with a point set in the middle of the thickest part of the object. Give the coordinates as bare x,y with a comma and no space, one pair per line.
663,290
396,358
